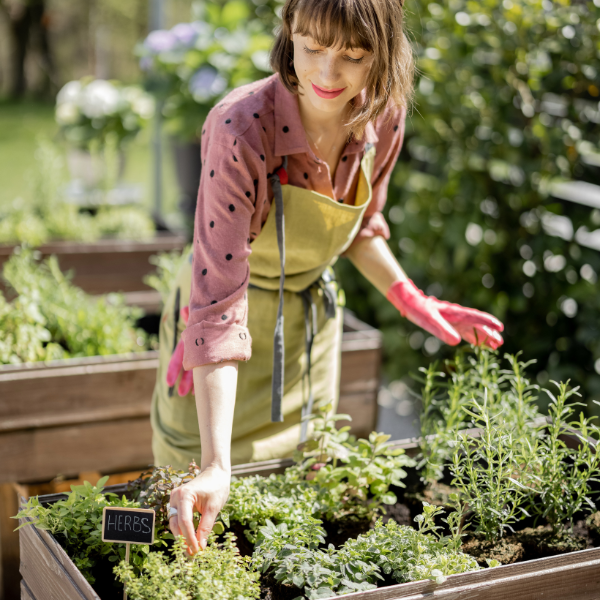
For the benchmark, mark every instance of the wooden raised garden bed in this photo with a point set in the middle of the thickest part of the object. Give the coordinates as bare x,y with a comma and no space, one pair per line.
49,573
110,265
91,414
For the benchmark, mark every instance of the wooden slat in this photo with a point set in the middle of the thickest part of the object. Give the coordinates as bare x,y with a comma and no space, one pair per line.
107,265
76,392
362,409
42,454
26,593
47,570
9,543
574,576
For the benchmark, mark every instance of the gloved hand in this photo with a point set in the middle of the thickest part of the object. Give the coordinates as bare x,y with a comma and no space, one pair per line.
446,321
186,385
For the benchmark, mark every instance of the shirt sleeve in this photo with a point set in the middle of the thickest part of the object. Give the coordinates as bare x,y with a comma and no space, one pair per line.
217,327
390,131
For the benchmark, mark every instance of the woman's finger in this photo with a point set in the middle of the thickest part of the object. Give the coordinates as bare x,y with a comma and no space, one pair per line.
185,520
456,315
207,521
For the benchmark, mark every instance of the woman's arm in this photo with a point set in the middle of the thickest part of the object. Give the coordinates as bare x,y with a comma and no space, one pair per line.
374,259
448,322
215,388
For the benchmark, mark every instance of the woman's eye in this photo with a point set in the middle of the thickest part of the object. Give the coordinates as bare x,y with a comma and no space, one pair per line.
356,61
309,51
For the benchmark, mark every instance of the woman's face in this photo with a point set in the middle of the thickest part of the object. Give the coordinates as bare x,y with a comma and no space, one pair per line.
329,77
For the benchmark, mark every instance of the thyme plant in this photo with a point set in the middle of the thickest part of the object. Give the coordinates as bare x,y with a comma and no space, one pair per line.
217,573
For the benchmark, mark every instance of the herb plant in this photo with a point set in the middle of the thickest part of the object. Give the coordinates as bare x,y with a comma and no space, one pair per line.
356,474
486,471
564,475
76,523
51,318
167,266
217,573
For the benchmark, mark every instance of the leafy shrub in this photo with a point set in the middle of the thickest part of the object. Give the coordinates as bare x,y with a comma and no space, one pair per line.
507,101
217,573
51,318
76,523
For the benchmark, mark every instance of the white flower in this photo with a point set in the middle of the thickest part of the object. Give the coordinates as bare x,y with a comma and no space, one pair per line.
141,103
69,92
67,113
99,99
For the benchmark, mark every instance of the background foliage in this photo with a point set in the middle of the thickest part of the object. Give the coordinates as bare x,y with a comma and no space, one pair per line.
507,100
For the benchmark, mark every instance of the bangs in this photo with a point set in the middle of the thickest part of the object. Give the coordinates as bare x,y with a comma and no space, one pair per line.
337,24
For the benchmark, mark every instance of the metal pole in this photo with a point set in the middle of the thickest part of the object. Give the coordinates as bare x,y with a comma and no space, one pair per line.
156,20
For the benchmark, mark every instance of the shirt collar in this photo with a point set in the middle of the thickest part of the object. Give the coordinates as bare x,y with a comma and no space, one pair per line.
293,141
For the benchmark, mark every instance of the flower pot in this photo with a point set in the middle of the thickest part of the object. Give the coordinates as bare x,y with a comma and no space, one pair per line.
92,170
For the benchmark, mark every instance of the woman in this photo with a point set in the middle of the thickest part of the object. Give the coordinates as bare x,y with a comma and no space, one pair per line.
295,173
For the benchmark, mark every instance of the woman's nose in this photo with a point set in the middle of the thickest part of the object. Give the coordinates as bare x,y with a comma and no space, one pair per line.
330,72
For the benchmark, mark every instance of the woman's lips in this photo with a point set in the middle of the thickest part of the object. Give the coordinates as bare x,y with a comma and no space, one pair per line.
327,93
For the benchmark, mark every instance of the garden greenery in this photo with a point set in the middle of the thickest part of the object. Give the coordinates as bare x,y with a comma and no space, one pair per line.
217,573
44,216
50,318
506,103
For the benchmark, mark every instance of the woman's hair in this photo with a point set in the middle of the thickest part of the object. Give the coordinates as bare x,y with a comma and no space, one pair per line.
373,25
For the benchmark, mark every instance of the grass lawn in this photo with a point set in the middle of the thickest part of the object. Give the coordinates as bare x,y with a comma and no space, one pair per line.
22,123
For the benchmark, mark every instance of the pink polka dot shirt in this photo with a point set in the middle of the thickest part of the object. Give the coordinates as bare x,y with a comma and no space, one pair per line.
244,141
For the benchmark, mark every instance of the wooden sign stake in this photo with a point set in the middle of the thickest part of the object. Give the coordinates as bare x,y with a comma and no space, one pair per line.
127,546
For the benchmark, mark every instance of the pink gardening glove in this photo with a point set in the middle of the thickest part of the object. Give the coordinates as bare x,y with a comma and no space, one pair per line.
186,385
448,322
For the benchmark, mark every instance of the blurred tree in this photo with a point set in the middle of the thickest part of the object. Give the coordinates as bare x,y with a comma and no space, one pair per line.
28,22
507,102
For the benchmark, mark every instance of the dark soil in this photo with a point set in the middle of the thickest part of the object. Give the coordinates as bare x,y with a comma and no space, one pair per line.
271,590
541,542
244,546
399,513
506,550
593,525
344,529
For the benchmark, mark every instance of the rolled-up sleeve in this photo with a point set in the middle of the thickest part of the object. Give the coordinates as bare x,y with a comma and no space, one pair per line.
217,327
390,130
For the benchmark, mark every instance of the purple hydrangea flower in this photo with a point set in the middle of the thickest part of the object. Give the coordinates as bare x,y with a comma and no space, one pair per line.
185,33
146,63
161,40
206,83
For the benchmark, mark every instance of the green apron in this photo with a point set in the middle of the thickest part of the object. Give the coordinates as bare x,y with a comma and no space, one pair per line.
317,230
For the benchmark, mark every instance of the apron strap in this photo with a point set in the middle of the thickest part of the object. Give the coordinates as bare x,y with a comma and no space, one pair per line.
310,310
278,344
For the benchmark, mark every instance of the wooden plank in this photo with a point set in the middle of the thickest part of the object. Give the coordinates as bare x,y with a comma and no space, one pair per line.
575,576
363,410
42,454
26,593
9,543
76,391
47,570
107,265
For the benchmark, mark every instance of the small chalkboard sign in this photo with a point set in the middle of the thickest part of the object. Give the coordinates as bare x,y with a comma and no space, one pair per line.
128,525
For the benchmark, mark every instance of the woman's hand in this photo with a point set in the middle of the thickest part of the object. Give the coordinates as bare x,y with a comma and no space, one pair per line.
446,321
206,494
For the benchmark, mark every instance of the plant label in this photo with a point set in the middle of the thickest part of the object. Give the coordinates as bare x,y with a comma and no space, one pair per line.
128,525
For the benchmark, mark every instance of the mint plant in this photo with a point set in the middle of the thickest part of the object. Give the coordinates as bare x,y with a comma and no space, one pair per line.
76,523
217,573
356,474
